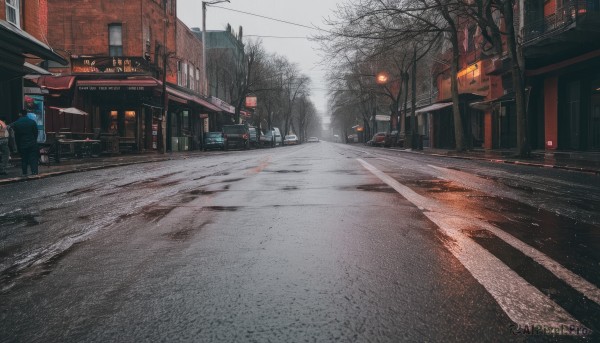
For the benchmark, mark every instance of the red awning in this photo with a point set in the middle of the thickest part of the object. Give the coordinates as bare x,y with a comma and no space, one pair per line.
193,98
118,82
58,83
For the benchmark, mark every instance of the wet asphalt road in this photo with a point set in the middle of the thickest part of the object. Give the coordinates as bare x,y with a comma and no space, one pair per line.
306,243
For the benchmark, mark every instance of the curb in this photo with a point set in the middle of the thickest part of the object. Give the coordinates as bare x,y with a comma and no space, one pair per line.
515,162
78,170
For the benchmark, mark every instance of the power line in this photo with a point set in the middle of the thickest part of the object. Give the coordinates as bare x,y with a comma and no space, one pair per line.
259,36
273,19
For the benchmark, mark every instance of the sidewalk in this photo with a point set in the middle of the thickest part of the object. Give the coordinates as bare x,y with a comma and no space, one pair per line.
588,162
87,164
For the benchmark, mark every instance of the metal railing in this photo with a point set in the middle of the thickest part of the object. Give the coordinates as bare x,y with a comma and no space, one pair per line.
561,20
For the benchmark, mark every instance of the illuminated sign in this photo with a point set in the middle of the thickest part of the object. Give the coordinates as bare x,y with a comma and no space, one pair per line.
110,65
251,102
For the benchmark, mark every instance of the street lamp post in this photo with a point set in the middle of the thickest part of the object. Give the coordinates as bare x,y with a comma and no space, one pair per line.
204,5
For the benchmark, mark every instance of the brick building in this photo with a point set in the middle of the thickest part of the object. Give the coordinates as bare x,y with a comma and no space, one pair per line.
23,51
126,72
562,60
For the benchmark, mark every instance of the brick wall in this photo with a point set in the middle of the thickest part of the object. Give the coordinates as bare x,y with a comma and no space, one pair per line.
81,26
189,50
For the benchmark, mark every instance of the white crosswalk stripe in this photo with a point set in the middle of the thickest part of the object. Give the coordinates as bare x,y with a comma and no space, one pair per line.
522,302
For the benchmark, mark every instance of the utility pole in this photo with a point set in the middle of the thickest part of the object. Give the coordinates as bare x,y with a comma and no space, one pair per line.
204,5
162,139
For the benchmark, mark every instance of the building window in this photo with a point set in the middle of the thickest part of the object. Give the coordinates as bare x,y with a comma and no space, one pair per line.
471,38
115,40
198,80
12,12
179,74
184,81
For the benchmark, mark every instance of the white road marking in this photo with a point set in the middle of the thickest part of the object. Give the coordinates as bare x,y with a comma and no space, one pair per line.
577,282
523,303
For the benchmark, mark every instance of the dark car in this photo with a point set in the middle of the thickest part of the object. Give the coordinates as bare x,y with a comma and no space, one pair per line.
214,140
381,139
267,139
254,136
236,136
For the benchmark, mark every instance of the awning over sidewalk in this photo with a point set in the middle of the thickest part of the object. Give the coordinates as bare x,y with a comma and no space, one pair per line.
93,84
192,98
433,107
17,41
32,69
58,83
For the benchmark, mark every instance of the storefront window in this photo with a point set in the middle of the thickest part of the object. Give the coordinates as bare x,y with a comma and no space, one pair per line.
129,124
114,122
185,123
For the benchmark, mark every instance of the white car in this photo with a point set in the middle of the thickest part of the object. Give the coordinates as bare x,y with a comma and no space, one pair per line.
313,140
290,140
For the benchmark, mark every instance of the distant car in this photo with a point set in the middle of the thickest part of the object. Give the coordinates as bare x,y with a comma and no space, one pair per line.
214,140
236,136
291,140
267,139
313,140
381,139
278,140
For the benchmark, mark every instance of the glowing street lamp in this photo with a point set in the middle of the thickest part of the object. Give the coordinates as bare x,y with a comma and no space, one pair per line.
382,78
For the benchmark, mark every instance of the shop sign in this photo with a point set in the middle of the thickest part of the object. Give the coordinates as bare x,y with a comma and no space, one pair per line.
251,102
470,80
222,104
110,65
382,117
111,88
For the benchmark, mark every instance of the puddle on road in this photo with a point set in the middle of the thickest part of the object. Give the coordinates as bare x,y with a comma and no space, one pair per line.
437,186
80,191
186,233
155,213
222,208
33,270
202,192
232,180
383,188
481,233
153,182
19,218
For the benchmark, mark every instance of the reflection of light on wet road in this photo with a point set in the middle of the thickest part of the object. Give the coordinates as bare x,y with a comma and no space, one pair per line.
522,302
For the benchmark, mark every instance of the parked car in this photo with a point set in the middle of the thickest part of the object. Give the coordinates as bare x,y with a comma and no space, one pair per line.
214,140
278,140
267,139
254,136
290,140
236,136
312,140
381,139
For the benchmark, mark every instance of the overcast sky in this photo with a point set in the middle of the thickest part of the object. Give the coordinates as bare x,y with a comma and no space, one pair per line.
300,51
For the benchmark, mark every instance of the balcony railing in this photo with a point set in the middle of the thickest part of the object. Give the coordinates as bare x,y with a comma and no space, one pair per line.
561,20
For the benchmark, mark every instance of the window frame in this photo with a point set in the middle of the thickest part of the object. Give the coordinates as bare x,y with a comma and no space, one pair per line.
16,7
114,46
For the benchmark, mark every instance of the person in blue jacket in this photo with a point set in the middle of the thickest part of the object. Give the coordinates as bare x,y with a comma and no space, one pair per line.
26,133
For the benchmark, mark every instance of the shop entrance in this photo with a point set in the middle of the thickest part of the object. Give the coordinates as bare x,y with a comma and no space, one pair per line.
122,123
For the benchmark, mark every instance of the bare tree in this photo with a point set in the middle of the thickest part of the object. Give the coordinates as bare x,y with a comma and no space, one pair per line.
396,22
496,19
